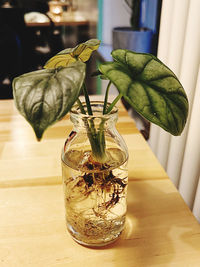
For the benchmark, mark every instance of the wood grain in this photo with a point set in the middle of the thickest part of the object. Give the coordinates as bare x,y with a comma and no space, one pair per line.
160,229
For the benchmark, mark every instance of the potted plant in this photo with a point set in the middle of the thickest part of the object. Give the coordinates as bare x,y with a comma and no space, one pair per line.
94,157
135,37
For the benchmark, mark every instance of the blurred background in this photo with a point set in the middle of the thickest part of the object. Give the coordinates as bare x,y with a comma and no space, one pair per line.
32,31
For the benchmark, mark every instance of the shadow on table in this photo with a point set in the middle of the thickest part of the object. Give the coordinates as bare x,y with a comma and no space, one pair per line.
156,212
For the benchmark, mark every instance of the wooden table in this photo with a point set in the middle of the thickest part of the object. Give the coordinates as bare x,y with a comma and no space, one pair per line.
160,229
67,18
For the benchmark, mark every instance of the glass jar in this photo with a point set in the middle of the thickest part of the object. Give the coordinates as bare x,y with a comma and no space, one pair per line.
95,177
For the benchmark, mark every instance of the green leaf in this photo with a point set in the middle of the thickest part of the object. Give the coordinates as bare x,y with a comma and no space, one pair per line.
150,87
67,56
98,73
45,96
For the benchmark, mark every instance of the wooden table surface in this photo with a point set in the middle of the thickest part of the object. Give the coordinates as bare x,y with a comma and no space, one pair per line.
160,229
67,18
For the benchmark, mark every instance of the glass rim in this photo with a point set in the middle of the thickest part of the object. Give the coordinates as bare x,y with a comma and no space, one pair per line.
75,110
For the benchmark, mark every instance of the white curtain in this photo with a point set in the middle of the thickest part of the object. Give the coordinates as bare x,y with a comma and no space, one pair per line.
179,48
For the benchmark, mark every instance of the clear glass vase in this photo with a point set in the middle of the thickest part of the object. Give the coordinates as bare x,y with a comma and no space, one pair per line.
95,177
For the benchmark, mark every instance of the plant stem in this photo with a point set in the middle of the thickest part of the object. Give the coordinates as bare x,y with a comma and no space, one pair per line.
128,4
87,100
80,106
106,98
135,14
96,136
97,139
101,138
113,103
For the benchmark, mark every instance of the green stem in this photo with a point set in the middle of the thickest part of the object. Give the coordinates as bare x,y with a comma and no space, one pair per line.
106,97
96,136
87,100
113,103
101,138
91,131
97,140
80,106
128,4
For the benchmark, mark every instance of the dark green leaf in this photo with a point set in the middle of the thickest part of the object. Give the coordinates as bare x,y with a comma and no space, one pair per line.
45,96
98,73
103,77
150,87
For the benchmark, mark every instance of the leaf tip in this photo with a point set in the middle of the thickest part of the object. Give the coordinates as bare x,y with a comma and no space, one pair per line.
38,133
39,139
